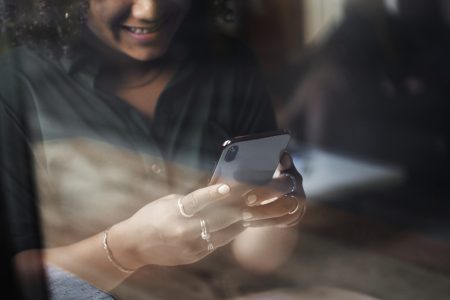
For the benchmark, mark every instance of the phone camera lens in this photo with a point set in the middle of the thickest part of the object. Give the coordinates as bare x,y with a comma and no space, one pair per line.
231,153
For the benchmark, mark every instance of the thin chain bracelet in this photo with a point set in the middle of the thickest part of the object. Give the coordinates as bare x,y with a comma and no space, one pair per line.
110,256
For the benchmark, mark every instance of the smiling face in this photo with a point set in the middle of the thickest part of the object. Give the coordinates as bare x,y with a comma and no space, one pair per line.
140,29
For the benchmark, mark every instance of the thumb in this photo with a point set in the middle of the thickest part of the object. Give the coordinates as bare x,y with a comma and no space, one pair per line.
286,162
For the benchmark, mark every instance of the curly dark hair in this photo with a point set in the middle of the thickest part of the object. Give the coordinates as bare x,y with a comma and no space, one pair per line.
42,22
57,24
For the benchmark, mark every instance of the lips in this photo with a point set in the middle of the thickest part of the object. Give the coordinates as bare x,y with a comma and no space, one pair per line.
143,30
148,28
149,32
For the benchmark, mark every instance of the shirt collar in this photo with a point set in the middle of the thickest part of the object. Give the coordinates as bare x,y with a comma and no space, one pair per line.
83,64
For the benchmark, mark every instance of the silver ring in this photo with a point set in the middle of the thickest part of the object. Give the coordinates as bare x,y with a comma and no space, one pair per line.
293,180
205,235
210,246
300,217
296,207
181,208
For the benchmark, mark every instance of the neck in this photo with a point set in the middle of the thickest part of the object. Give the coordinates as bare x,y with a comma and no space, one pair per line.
131,76
116,60
119,71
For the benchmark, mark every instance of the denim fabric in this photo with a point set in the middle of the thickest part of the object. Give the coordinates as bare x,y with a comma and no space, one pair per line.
66,286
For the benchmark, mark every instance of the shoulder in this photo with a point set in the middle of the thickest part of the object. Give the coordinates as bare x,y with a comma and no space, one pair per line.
14,58
11,65
22,63
27,61
21,68
17,63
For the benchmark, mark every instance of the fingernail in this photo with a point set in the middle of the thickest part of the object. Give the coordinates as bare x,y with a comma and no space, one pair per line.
246,215
223,189
277,173
251,199
246,224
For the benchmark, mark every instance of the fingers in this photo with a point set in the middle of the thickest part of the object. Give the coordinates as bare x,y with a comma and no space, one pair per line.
219,218
287,205
278,187
260,218
281,222
287,168
220,238
288,181
280,203
286,162
194,202
225,236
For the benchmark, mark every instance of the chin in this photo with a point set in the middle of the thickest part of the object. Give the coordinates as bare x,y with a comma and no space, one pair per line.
145,56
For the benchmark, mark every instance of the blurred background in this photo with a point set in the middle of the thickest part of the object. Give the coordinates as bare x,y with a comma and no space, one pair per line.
364,87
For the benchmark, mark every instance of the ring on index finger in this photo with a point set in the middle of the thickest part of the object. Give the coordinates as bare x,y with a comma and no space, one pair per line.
293,181
182,211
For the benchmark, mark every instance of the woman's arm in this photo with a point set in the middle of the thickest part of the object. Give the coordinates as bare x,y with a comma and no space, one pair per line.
89,260
165,232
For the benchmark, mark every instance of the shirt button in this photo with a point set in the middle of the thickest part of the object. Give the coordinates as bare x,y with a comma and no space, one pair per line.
156,169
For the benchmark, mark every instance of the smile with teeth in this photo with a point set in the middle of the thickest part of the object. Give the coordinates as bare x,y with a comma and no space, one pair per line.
144,30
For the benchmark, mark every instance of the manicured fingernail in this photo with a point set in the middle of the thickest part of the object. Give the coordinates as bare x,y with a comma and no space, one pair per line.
277,173
246,224
251,199
223,189
247,215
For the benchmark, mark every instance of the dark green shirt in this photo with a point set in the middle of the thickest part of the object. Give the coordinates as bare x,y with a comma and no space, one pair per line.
93,153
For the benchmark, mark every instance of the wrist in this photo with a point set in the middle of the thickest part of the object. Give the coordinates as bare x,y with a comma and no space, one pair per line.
121,248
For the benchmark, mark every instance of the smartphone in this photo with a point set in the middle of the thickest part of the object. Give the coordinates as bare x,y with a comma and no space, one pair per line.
250,159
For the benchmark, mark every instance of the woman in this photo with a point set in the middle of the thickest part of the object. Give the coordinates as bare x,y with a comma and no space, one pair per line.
124,104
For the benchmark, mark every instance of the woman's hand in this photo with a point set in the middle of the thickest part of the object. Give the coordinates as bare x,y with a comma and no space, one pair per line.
271,238
281,203
177,230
